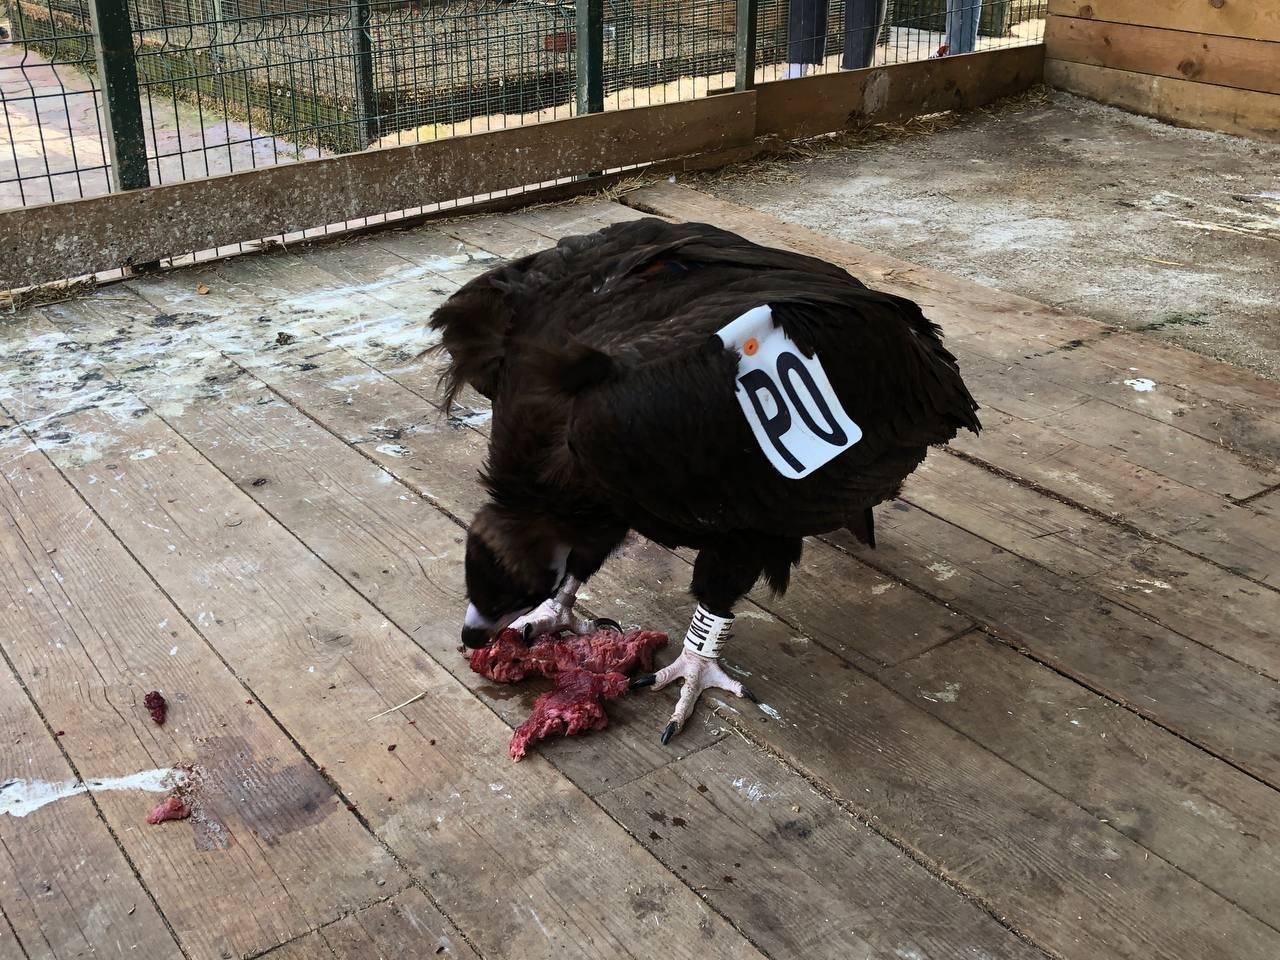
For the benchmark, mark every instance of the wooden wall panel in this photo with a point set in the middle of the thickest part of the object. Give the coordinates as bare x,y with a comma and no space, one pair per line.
1204,106
808,107
1250,19
1225,61
1209,64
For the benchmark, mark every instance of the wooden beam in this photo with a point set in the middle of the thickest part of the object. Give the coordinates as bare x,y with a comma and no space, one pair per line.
78,237
808,107
1252,19
1204,106
1225,61
559,193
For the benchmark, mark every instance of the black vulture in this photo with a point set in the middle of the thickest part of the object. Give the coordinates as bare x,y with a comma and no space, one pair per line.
702,390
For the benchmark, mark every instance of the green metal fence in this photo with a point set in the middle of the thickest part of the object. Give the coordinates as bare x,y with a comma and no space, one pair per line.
116,94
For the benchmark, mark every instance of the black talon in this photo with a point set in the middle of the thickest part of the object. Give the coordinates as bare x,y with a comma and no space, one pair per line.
645,680
602,622
668,732
528,633
750,696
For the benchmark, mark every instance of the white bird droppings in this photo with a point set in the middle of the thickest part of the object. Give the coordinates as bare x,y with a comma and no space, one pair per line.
1141,384
753,791
942,570
948,694
21,797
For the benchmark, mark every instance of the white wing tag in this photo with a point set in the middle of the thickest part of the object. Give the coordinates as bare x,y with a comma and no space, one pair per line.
786,397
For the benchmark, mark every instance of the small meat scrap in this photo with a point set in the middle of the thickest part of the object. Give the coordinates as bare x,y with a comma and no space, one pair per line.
155,702
576,704
171,809
587,671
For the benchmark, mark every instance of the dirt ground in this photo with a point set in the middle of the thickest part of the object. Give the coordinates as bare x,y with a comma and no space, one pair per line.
1106,214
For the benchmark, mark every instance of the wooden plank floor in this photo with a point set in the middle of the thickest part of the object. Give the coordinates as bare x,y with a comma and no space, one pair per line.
1041,720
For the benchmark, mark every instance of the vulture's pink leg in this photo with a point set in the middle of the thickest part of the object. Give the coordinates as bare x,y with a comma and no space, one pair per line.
699,666
555,614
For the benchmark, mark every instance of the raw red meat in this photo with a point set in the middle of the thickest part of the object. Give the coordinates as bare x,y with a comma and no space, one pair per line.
155,702
509,659
587,671
576,704
171,809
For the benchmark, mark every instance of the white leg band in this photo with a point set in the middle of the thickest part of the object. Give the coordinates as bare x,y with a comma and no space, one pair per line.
707,633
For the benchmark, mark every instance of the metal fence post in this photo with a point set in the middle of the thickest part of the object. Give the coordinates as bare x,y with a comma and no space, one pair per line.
366,94
590,49
118,75
745,61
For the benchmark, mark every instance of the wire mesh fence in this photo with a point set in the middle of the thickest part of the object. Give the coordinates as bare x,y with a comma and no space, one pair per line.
231,85
801,37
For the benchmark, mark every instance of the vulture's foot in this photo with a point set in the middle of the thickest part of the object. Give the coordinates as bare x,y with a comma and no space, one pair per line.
699,673
554,616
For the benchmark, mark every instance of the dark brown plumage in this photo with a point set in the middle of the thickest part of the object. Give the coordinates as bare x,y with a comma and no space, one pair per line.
615,409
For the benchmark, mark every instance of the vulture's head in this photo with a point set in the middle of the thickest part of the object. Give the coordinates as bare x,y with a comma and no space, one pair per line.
510,569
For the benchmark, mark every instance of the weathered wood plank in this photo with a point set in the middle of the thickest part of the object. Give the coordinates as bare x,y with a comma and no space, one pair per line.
66,889
809,106
1259,21
1225,707
1184,103
222,441
271,865
828,887
1220,447
772,656
10,948
932,791
780,670
871,614
818,613
1239,391
407,925
1268,503
265,868
1098,579
1245,64
308,947
1213,822
667,603
1197,599
77,237
1236,537
323,660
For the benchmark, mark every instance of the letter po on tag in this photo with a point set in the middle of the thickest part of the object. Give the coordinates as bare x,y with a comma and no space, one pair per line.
786,397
